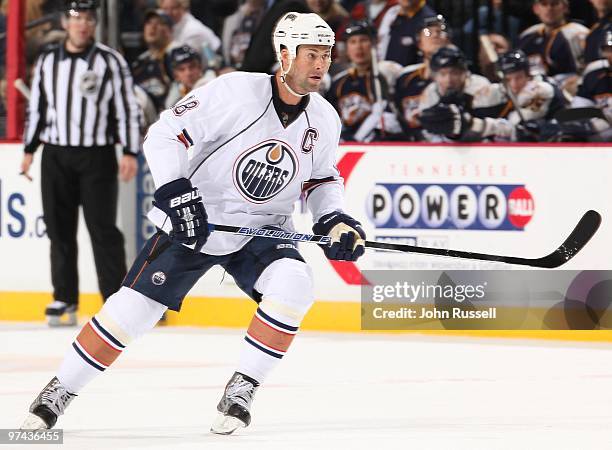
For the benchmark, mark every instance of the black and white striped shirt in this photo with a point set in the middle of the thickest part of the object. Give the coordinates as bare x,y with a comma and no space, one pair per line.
82,100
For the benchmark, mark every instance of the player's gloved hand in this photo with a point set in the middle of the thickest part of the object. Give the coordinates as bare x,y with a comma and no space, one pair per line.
345,233
183,205
449,120
528,131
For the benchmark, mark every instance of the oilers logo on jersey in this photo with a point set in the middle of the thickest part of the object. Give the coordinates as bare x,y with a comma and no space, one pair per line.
263,171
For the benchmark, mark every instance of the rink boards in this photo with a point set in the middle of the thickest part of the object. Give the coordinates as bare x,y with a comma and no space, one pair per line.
512,199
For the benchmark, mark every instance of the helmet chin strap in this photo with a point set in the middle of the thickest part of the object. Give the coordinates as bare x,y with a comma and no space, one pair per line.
284,81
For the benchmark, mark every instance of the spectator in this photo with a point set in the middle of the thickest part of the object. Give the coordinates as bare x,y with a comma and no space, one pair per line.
131,17
330,11
459,105
555,47
371,10
354,92
398,29
190,31
260,56
497,25
596,87
213,13
238,30
37,36
152,70
189,73
79,112
603,8
413,79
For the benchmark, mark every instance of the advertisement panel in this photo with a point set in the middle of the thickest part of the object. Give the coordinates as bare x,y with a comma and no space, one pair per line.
24,247
514,200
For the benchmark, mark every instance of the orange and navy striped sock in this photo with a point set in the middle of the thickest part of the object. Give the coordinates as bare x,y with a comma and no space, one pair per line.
267,341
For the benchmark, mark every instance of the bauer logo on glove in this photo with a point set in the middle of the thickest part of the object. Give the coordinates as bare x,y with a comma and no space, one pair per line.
183,205
346,235
185,198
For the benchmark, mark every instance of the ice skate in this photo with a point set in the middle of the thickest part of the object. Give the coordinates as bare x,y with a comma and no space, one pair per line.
61,314
234,407
48,406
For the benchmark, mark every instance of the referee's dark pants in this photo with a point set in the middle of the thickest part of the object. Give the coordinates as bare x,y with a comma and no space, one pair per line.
87,177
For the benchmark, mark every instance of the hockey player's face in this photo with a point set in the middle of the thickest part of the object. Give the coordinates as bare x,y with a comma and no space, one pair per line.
80,28
359,49
188,73
431,39
550,12
309,67
516,81
449,80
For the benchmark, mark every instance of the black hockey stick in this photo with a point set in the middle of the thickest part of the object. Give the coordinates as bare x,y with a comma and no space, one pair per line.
582,233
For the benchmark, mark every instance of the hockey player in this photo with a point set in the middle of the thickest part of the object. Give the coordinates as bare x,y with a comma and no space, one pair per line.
555,47
413,79
257,143
537,101
353,91
398,28
152,69
596,87
459,104
603,8
189,73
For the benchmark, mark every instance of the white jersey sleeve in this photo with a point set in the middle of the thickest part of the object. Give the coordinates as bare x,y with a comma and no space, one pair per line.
325,190
202,117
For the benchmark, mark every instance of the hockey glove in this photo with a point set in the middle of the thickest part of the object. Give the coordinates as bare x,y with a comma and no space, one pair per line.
345,233
528,131
183,205
448,120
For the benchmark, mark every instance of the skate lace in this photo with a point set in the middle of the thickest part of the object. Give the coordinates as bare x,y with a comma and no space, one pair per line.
56,398
241,392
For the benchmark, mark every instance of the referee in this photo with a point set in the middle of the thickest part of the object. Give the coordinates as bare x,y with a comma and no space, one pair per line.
82,104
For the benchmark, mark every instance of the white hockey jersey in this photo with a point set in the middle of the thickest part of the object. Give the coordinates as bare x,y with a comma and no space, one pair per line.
534,101
483,95
249,168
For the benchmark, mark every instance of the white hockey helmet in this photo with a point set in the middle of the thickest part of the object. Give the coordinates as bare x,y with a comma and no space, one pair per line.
294,29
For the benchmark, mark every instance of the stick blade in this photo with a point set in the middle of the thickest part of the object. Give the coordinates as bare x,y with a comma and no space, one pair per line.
578,238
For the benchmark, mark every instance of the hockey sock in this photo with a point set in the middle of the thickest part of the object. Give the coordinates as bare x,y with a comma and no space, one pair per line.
266,342
125,316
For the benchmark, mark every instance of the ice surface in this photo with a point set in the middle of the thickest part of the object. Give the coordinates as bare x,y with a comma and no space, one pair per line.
332,391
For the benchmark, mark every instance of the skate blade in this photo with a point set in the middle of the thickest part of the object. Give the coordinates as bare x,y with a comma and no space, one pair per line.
33,422
65,320
226,424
